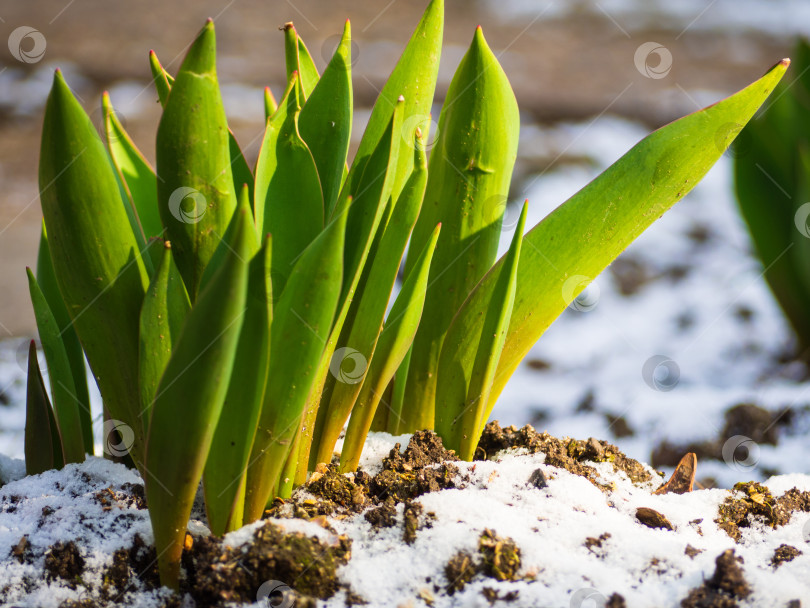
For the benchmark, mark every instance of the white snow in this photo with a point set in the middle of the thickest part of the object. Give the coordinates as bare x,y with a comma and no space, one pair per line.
648,567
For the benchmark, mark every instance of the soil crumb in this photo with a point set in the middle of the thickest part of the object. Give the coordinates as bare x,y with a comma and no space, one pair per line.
568,454
784,553
63,560
724,588
752,502
305,564
497,557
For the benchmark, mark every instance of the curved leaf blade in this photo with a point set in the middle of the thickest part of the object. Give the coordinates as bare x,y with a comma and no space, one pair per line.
289,201
226,469
601,220
325,122
43,445
470,355
66,406
189,400
47,283
194,162
98,267
393,346
302,320
165,308
365,319
136,173
468,182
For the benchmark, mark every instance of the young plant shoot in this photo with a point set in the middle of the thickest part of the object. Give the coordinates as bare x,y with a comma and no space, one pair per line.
237,318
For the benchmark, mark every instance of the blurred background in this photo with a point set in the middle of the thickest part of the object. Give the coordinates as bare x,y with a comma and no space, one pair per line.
591,79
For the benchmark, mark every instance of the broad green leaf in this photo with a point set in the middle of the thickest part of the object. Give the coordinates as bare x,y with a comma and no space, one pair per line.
189,400
302,319
595,225
270,103
470,355
365,320
239,167
325,122
196,195
364,217
47,283
468,181
394,344
226,243
298,59
97,264
163,313
226,468
413,78
289,202
770,184
66,405
43,445
136,174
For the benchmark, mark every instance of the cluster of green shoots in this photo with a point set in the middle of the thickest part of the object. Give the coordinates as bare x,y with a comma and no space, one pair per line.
235,318
772,175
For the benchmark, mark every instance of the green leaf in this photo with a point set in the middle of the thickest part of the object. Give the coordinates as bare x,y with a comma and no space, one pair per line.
162,79
47,283
299,60
468,182
601,220
470,355
242,175
364,217
137,176
196,195
66,405
98,267
394,344
301,325
770,182
289,202
413,78
165,308
43,445
270,103
189,400
239,167
325,122
365,320
226,468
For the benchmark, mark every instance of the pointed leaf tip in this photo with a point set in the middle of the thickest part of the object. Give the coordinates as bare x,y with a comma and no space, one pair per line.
201,57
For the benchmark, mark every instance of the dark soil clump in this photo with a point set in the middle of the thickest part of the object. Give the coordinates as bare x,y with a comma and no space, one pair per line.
459,571
784,553
501,556
724,588
304,564
497,558
758,504
425,466
64,561
568,454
